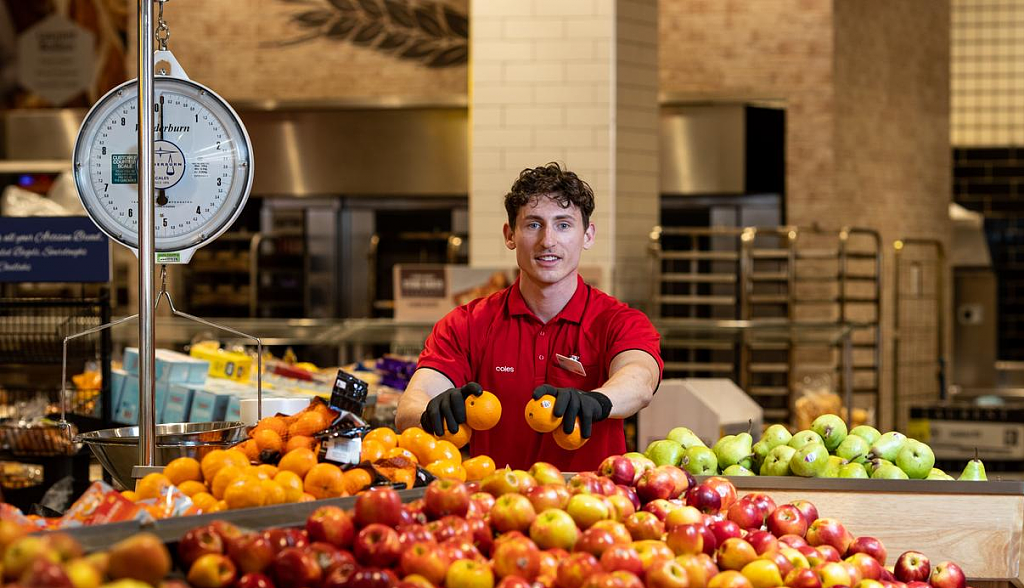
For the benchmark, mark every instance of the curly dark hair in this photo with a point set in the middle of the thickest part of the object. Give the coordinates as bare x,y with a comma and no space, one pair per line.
561,185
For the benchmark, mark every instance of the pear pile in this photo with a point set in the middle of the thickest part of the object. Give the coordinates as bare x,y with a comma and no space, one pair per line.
826,450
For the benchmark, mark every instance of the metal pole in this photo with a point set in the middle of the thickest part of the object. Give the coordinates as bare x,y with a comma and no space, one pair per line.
147,246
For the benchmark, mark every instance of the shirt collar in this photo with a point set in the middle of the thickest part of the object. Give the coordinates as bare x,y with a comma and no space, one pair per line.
573,311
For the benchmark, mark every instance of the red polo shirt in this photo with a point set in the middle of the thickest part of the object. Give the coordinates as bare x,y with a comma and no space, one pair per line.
499,343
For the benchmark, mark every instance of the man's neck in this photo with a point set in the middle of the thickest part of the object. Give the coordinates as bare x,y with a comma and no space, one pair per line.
547,300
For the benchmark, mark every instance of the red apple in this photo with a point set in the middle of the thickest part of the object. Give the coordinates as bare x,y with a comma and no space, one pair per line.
763,542
254,580
780,560
469,574
526,480
686,539
483,535
546,473
280,539
947,574
595,541
729,579
426,560
331,524
587,509
655,484
445,497
725,489
621,506
377,546
44,573
226,530
746,514
802,578
379,504
814,557
660,507
833,574
548,496
683,515
457,549
294,568
787,520
868,566
620,469
251,553
829,553
682,482
644,525
734,553
603,580
651,550
829,532
622,557
618,530
548,569
483,500
710,567
794,541
414,533
704,498
450,527
369,578
870,546
762,501
808,509
554,528
796,559
695,571
916,584
517,558
512,512
198,542
710,541
853,571
212,570
627,579
724,530
667,573
584,483
329,557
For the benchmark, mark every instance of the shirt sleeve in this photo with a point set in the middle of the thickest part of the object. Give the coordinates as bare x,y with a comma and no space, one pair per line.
447,347
631,329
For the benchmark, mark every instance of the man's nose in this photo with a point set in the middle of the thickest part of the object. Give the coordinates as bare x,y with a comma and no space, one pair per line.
548,237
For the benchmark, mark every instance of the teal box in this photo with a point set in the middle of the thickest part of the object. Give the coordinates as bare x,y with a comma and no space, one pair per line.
171,366
127,409
161,391
178,403
117,379
208,406
234,409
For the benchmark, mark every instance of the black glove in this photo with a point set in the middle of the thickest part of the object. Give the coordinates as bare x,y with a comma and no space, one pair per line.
448,407
570,404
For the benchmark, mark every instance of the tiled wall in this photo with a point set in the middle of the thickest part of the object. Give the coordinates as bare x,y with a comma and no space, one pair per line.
572,81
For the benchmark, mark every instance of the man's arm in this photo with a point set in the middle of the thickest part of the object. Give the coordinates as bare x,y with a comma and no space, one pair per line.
424,385
633,378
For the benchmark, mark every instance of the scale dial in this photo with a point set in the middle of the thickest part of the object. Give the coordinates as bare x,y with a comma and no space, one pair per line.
202,165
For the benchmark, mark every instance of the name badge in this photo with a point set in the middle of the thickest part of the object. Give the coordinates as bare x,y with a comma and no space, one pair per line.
570,364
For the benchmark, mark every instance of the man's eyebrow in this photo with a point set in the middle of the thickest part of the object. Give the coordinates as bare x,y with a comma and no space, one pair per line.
559,217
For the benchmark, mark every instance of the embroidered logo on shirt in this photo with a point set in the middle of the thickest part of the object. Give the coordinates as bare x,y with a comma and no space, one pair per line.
506,369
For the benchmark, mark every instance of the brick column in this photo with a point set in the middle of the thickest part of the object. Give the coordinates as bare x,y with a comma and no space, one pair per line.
572,81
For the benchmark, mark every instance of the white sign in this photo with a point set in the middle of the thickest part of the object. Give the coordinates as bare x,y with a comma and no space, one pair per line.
55,59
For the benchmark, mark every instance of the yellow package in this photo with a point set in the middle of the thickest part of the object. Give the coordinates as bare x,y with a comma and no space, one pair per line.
224,364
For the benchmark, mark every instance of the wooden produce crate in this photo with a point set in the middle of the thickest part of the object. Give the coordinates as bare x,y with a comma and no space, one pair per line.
978,525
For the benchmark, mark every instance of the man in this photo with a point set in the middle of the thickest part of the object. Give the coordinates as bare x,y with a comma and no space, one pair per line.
548,333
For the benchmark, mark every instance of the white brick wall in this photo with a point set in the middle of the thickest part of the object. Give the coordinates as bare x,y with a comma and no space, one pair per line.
543,88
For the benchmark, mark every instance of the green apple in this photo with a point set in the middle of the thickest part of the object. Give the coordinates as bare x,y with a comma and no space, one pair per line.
854,448
664,452
737,470
685,437
777,462
915,459
937,474
866,432
853,470
888,471
700,461
805,437
809,461
831,428
888,446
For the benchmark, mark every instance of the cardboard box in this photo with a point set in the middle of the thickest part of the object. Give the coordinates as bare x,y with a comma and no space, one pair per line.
711,407
208,406
178,404
171,366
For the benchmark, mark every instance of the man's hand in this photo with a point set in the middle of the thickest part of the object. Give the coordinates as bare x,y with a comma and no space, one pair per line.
448,407
572,404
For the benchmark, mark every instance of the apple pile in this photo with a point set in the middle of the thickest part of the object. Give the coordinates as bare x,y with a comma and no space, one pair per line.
826,450
56,560
631,524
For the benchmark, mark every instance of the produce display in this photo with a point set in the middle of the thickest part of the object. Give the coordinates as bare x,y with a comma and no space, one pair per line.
630,524
826,450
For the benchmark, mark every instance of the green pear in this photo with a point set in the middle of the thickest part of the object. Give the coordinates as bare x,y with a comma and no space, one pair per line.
888,471
734,449
937,474
809,461
664,452
873,464
760,451
831,428
805,437
854,448
685,437
853,470
888,446
866,432
737,470
777,462
776,435
832,468
974,471
700,461
916,459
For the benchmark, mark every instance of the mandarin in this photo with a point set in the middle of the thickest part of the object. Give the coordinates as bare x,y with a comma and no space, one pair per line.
324,480
446,469
152,486
236,456
273,493
299,442
268,440
540,416
268,469
399,452
445,451
571,441
244,494
307,424
383,435
299,461
356,479
212,462
272,423
250,448
459,438
204,501
291,483
183,469
190,488
371,451
479,467
225,476
483,412
130,495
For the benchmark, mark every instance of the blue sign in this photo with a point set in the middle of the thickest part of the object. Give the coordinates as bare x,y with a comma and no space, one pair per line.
53,249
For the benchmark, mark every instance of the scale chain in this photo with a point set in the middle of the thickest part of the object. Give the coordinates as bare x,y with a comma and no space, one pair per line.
163,32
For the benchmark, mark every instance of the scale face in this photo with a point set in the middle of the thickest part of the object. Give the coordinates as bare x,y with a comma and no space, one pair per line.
203,166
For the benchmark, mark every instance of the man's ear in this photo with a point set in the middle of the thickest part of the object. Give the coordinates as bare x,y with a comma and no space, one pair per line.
588,236
508,232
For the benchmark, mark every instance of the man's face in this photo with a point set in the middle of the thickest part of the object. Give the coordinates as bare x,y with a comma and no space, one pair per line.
548,240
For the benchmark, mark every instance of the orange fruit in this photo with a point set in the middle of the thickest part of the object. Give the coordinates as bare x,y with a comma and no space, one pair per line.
268,440
356,479
458,439
236,456
307,424
383,435
324,410
256,473
372,451
244,494
204,501
250,449
269,470
190,488
272,423
130,495
298,461
409,438
224,477
483,412
324,480
183,469
398,451
445,451
212,462
420,444
299,441
447,469
572,440
273,493
152,486
539,414
220,506
291,483
479,467
307,497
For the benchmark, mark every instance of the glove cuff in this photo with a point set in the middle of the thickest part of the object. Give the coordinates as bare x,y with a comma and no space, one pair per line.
604,401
